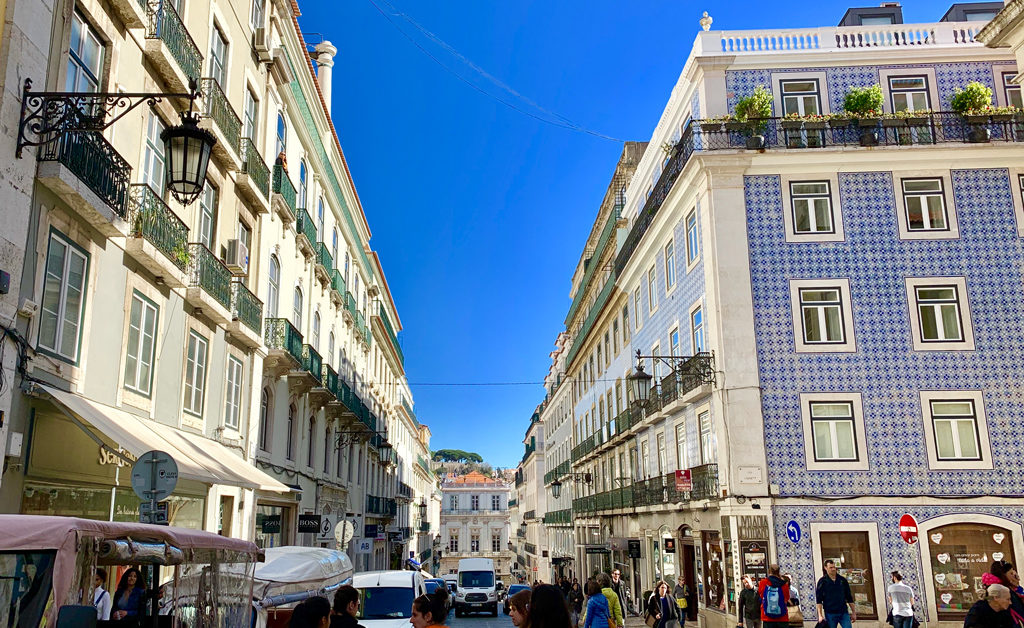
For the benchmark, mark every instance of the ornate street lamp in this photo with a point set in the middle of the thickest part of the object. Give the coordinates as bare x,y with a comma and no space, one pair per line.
556,486
46,117
423,508
639,382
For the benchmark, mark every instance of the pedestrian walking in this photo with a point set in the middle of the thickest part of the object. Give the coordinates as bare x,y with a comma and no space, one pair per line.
100,596
620,590
794,593
614,602
548,608
1004,573
682,594
518,608
773,593
575,602
662,608
901,598
346,608
430,609
748,605
598,613
130,596
833,598
314,612
993,611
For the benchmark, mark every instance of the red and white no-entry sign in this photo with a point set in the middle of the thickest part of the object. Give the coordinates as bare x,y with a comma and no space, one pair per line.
908,529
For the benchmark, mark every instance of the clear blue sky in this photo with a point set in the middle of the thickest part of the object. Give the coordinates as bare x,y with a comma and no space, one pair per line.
479,213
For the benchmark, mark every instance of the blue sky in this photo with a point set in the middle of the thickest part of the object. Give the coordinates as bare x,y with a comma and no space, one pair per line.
479,213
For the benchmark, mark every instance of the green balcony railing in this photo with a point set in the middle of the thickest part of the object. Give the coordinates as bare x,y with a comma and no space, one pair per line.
152,220
217,108
312,363
281,335
96,164
392,336
338,282
588,274
254,166
323,257
246,307
588,322
304,226
329,378
209,273
556,517
165,25
350,304
283,186
425,527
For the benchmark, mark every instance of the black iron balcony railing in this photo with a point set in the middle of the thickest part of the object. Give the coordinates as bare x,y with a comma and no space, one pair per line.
404,490
254,166
165,24
95,162
209,273
281,335
521,533
530,548
424,526
705,482
283,186
691,373
530,514
383,315
152,220
246,307
217,108
312,363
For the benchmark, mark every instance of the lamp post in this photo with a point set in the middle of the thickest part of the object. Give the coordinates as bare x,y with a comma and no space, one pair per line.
423,508
556,486
48,116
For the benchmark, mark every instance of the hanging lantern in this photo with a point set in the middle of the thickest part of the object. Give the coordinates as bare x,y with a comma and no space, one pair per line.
187,148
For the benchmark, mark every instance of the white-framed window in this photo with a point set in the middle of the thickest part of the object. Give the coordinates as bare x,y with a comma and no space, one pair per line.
474,542
670,266
316,331
681,457
708,453
256,14
453,502
453,541
812,208
660,441
636,307
645,458
697,340
195,373
63,303
249,113
1011,91
282,136
300,201
85,57
289,451
822,315
909,93
692,240
334,245
956,429
673,342
801,97
833,425
218,68
495,542
940,316
320,220
924,203
495,502
265,413
310,442
474,502
233,393
208,214
153,158
141,345
652,289
297,308
273,286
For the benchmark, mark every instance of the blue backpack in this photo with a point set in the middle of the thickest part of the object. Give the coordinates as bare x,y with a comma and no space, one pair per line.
772,602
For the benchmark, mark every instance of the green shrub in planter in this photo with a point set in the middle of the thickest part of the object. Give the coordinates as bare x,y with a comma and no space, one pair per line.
974,97
864,101
755,106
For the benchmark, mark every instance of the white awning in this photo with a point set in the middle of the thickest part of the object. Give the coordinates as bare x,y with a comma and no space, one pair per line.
198,458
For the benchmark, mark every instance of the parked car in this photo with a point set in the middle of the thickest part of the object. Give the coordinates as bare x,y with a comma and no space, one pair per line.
432,585
385,597
512,590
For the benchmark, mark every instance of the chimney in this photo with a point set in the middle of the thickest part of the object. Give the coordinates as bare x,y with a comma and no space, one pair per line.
325,52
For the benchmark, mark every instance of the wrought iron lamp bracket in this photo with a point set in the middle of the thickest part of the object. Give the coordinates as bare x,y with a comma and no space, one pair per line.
46,115
705,371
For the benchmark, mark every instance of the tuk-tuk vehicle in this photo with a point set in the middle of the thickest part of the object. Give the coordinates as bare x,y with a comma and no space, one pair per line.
193,579
291,574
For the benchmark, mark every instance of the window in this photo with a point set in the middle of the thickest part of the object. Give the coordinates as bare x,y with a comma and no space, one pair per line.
310,447
320,219
636,306
625,324
908,93
233,394
652,289
661,453
708,455
282,135
256,14
697,330
925,205
316,331
297,308
63,298
85,57
453,541
218,68
289,451
334,245
474,502
615,336
1012,91
876,20
273,287
138,363
496,542
327,449
801,97
495,502
195,373
153,155
855,550
249,114
207,214
941,317
670,266
832,431
645,458
822,316
812,206
265,409
979,16
692,239
330,346
681,457
673,342
474,543
301,198
955,429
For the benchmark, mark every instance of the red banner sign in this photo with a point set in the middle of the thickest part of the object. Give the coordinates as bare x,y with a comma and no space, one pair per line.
908,529
684,483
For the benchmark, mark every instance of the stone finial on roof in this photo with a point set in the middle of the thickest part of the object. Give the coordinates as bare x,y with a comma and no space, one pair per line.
705,22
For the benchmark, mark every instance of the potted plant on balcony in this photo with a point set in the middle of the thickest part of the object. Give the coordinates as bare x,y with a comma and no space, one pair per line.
181,254
1004,114
864,104
793,121
974,102
714,125
816,121
755,110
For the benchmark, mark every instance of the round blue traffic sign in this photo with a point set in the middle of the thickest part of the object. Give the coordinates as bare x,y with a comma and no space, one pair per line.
793,531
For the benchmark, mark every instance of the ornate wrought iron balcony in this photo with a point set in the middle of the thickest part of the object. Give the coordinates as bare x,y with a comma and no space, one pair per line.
281,335
283,187
209,273
324,259
91,158
329,379
217,108
254,166
312,363
152,220
305,228
165,24
246,307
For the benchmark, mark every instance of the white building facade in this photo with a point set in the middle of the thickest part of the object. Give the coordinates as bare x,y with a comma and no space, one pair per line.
475,522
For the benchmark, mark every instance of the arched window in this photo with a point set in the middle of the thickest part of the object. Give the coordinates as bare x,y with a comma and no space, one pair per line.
327,449
330,346
274,288
297,309
265,409
320,220
316,331
334,246
301,200
310,447
343,365
282,136
290,449
346,268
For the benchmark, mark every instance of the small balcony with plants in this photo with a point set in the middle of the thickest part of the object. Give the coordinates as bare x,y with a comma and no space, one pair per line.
284,346
157,238
253,177
305,233
169,46
221,120
324,263
209,284
283,198
246,315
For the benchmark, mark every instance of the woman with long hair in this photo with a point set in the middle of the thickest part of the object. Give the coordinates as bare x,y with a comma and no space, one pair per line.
130,597
662,606
430,609
575,602
548,608
519,608
1004,573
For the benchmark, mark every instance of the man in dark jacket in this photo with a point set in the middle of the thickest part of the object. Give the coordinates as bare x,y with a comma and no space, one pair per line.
833,596
774,587
748,606
991,612
345,608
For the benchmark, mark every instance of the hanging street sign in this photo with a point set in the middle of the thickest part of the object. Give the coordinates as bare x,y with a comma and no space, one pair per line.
908,529
154,476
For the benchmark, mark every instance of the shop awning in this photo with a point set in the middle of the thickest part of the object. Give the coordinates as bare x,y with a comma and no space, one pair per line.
198,458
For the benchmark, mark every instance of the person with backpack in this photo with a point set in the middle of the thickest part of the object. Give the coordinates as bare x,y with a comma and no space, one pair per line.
774,594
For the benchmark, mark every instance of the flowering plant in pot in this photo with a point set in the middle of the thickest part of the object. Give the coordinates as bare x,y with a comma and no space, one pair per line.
755,110
714,125
865,105
974,103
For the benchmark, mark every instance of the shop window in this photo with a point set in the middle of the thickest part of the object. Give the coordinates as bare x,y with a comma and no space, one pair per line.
714,591
960,554
272,525
851,552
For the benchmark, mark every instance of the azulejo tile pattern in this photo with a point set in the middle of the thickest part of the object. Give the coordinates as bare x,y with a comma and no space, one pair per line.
798,558
885,369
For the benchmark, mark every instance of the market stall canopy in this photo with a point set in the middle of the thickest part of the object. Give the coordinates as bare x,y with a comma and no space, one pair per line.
292,573
198,458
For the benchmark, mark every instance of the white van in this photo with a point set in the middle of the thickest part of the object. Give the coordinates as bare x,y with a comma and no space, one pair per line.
385,597
477,591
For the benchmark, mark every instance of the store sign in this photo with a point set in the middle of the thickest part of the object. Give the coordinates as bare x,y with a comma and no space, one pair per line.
364,546
370,530
670,546
271,524
908,529
597,549
309,524
634,548
109,457
684,480
754,558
